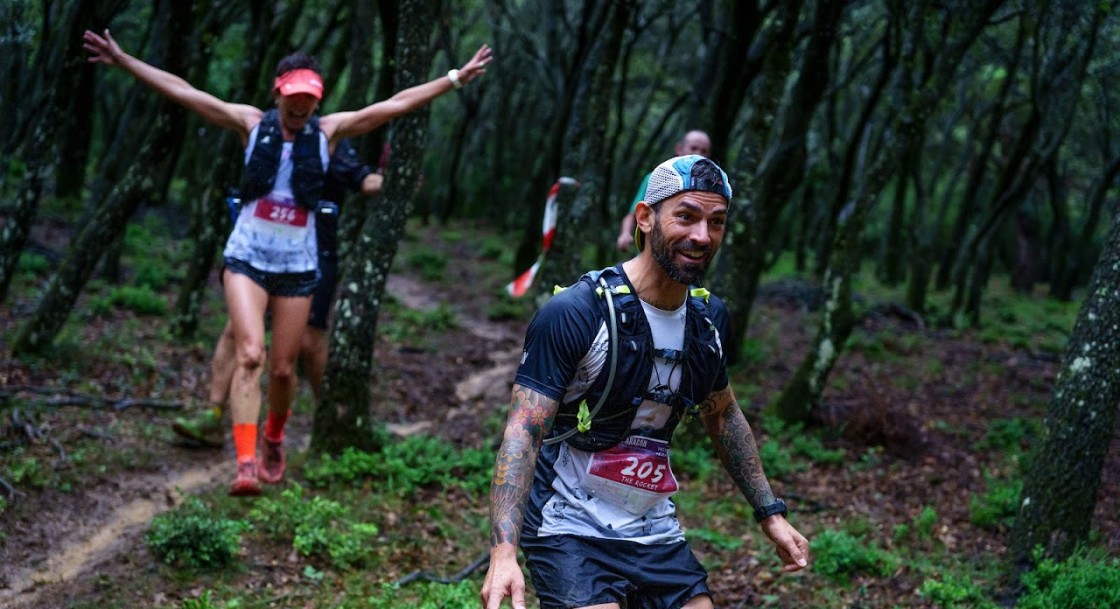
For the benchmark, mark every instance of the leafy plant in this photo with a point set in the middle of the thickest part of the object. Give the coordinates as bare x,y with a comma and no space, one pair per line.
1086,579
718,539
431,265
193,536
30,263
839,555
956,593
427,596
142,300
404,466
998,506
317,526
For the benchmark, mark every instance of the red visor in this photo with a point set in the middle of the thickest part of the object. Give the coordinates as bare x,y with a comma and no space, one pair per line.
299,81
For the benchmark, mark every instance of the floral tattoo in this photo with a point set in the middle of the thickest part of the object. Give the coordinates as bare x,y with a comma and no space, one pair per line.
529,420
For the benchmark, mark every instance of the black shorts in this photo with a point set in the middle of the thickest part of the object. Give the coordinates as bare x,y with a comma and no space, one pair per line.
323,295
570,571
276,284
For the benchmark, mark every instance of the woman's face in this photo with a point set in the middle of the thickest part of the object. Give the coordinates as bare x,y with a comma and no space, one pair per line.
295,111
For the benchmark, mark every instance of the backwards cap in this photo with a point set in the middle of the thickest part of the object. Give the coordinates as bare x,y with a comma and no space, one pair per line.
680,174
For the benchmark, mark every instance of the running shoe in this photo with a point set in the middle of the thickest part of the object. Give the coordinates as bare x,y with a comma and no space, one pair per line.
204,428
246,483
272,461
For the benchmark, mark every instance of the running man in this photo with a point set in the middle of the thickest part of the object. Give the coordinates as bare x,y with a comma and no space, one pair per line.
611,365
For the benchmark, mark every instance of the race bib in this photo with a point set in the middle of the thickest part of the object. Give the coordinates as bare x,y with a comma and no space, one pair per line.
635,474
288,214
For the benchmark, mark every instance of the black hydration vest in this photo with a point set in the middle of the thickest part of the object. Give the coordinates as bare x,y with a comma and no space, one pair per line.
701,360
264,162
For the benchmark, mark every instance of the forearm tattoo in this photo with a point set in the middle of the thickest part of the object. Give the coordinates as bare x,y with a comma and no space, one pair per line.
736,447
530,418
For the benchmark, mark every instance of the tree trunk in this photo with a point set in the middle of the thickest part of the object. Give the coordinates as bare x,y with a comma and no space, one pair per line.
110,218
585,141
65,69
802,395
342,417
1062,476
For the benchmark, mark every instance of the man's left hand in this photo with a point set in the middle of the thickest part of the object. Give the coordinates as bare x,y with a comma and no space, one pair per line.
793,548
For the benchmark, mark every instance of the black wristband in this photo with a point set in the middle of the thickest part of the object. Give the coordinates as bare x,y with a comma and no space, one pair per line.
766,511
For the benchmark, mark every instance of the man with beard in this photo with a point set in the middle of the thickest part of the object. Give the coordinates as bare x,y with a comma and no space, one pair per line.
611,366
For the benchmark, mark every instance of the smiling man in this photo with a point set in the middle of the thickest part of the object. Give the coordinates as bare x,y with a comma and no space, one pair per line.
583,480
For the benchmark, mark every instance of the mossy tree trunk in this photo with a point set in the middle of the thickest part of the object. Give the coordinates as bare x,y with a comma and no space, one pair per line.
1062,476
64,69
108,220
342,417
802,395
583,158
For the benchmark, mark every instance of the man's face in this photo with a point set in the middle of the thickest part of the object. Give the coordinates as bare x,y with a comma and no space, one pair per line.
695,142
296,110
687,231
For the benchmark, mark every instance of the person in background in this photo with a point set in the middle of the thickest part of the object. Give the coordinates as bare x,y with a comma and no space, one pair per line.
271,257
693,142
346,172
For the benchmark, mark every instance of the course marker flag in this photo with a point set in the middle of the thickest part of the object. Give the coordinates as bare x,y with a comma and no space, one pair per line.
518,287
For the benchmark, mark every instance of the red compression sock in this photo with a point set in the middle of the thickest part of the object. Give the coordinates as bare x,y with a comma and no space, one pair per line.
245,441
274,425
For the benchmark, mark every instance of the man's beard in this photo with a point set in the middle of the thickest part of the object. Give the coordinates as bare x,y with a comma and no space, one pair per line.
687,274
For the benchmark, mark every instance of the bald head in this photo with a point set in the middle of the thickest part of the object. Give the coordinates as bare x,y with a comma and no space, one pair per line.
694,142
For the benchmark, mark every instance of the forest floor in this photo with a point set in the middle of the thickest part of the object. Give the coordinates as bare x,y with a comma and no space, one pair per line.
926,422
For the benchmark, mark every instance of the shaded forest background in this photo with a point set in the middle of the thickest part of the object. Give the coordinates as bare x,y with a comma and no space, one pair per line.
941,147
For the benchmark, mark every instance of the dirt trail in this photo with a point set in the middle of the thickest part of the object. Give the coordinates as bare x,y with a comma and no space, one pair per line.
112,532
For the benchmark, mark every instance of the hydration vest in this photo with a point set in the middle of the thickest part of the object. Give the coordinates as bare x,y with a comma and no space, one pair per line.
264,162
630,362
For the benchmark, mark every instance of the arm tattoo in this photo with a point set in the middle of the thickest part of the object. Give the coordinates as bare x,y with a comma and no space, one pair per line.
736,447
530,419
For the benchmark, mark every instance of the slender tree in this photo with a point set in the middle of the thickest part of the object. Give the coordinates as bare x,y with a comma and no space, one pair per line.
111,215
342,417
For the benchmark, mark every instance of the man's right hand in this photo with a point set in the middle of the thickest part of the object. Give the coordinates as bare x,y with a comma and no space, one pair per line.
102,50
503,578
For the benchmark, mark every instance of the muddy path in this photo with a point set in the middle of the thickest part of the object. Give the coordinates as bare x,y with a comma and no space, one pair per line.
70,541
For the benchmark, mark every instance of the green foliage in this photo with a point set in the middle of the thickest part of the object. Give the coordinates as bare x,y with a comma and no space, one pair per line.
505,307
30,263
718,539
431,265
26,471
956,593
498,247
193,536
404,466
151,272
426,596
1010,435
409,324
143,238
919,528
141,300
791,448
696,461
1088,579
317,526
997,507
839,555
203,601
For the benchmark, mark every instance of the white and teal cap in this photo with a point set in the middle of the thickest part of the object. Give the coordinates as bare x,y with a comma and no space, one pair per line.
683,173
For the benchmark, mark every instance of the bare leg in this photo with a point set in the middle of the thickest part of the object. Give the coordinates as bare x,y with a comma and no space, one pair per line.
313,355
222,367
246,302
289,320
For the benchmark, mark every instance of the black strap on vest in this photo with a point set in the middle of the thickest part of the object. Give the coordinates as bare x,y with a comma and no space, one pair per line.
264,162
613,334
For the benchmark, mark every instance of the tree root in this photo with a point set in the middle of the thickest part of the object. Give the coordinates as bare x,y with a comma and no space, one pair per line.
483,559
10,490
